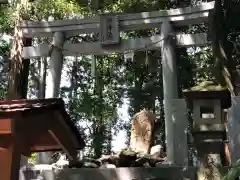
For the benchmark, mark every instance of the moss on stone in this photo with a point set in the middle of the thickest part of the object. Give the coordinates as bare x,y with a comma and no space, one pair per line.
128,152
206,86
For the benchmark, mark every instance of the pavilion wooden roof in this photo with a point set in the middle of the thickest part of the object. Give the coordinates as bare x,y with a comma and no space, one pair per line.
34,125
37,110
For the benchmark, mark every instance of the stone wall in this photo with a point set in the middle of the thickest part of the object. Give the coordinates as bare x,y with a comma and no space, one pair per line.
165,172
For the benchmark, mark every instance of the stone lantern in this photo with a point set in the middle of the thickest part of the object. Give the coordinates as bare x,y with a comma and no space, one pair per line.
207,103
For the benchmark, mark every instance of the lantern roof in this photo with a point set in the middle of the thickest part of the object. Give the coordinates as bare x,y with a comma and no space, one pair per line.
209,90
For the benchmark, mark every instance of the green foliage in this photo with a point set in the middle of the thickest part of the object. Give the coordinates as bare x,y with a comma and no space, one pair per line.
233,173
95,100
6,19
4,48
33,158
4,53
58,9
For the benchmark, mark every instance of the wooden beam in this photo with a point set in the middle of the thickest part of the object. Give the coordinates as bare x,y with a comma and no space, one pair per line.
26,126
5,140
183,40
5,126
67,131
46,148
10,160
133,21
64,137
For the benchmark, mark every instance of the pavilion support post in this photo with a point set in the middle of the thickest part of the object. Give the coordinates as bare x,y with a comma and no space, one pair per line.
55,67
169,72
10,161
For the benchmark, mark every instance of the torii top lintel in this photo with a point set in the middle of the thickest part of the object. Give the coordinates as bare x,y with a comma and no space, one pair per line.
134,21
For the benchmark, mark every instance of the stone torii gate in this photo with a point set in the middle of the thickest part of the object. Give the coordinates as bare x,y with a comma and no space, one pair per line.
166,20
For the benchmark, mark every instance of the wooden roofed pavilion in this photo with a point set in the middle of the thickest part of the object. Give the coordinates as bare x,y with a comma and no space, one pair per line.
34,125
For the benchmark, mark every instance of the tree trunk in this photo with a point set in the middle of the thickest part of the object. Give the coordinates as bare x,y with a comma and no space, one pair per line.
98,139
109,140
99,127
43,75
222,48
73,88
18,69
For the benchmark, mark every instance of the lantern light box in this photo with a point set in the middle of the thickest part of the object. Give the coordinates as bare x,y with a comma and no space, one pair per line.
207,102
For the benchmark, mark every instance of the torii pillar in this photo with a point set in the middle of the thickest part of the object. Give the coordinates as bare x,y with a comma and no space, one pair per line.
170,88
56,64
55,68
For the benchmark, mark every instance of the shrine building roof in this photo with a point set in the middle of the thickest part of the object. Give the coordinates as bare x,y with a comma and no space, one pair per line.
10,109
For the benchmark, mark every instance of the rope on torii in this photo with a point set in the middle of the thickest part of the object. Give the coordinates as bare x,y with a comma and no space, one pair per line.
127,54
146,47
